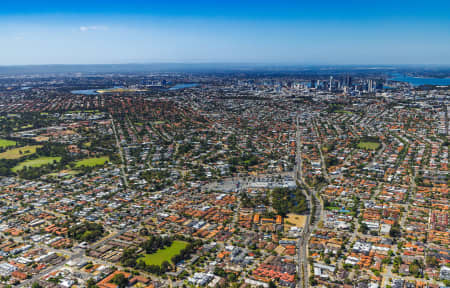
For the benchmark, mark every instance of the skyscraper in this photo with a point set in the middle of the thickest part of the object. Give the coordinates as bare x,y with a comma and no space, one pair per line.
371,86
348,81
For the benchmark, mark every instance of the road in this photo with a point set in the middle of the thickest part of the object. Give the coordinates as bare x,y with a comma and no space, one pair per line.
122,169
35,278
312,220
303,240
322,159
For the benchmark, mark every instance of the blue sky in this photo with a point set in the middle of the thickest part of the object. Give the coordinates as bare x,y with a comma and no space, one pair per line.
285,32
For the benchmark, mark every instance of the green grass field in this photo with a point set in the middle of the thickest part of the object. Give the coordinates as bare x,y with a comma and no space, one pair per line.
91,162
368,145
68,172
15,153
7,143
27,126
35,163
165,254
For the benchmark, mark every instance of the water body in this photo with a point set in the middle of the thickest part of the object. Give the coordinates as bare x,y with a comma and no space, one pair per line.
85,92
183,85
94,91
417,81
91,91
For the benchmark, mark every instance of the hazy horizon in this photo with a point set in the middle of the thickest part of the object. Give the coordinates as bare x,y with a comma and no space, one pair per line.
231,63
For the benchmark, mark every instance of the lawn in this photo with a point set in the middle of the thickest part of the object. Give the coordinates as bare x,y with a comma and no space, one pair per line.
165,254
368,145
15,153
91,162
27,126
67,172
6,143
35,163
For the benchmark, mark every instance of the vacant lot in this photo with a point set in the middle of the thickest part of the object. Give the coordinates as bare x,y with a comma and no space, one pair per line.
368,145
41,138
91,162
35,162
6,143
294,220
17,153
165,254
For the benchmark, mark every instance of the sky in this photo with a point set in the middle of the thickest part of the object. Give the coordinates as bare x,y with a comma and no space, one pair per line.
277,32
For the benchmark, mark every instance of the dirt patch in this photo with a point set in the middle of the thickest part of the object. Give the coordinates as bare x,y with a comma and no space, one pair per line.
294,220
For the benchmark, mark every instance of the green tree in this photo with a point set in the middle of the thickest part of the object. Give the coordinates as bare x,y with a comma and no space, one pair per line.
120,280
91,283
395,231
363,228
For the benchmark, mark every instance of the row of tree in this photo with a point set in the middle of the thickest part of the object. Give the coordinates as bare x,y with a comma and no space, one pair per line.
86,231
154,243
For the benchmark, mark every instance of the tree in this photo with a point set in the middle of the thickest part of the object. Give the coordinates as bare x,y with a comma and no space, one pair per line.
87,231
363,228
272,285
432,261
91,283
286,200
165,266
36,285
144,232
415,268
395,231
129,257
120,280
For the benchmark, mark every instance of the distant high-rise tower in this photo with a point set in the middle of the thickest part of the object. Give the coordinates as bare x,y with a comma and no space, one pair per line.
330,86
371,86
348,81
